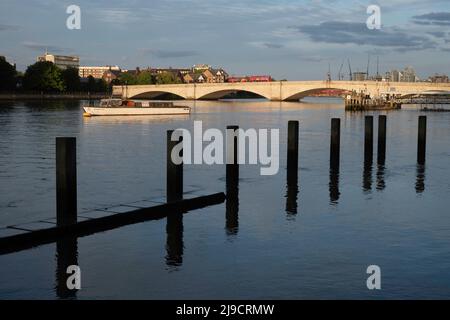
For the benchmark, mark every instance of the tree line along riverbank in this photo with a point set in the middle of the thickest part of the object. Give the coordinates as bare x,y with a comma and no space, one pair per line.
52,96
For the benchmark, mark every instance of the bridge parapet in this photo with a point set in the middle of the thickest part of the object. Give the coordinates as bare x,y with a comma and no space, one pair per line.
277,90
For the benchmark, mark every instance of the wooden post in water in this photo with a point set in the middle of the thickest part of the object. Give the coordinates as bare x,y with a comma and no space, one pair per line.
292,147
292,167
174,184
381,153
422,140
368,139
335,143
66,181
232,156
232,181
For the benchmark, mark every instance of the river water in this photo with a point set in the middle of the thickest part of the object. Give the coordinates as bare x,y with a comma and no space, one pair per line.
316,243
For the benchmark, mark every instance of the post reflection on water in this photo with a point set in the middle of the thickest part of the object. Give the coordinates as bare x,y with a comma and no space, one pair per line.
292,191
174,243
66,255
232,207
334,185
420,179
367,175
381,183
381,153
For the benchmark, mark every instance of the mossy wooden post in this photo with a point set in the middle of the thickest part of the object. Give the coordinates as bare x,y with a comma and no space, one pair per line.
292,148
368,139
174,184
232,181
66,181
422,140
232,174
335,143
292,167
381,153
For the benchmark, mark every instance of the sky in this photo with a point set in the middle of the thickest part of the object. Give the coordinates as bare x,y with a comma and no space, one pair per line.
288,39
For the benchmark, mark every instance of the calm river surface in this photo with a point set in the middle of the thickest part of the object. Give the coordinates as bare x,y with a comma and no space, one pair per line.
316,244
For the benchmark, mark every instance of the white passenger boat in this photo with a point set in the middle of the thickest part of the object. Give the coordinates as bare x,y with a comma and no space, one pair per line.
119,107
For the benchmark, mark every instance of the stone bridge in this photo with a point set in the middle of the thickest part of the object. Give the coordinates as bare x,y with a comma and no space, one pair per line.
278,90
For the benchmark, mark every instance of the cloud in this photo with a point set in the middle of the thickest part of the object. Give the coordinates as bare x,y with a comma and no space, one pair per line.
266,45
437,34
44,47
433,18
338,32
6,27
175,53
273,45
118,16
166,54
313,59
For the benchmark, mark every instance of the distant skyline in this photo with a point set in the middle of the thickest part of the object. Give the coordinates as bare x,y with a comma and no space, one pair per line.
288,39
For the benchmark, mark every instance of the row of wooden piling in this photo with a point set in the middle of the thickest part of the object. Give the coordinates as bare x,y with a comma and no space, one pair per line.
335,141
232,169
67,224
369,137
67,176
335,146
66,161
66,181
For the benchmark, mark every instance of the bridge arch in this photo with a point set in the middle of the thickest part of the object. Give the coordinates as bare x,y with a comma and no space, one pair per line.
155,95
303,94
219,94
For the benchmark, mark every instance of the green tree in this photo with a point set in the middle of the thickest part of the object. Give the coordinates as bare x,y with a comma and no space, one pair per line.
90,86
128,78
95,85
101,86
115,82
43,76
167,78
145,77
7,75
71,79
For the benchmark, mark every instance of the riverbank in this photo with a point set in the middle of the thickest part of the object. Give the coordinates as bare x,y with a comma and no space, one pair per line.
52,96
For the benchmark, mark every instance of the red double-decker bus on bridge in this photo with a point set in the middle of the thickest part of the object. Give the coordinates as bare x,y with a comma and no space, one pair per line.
263,78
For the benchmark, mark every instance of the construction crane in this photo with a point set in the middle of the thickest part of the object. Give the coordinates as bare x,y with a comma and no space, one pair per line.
350,69
329,73
378,67
340,75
